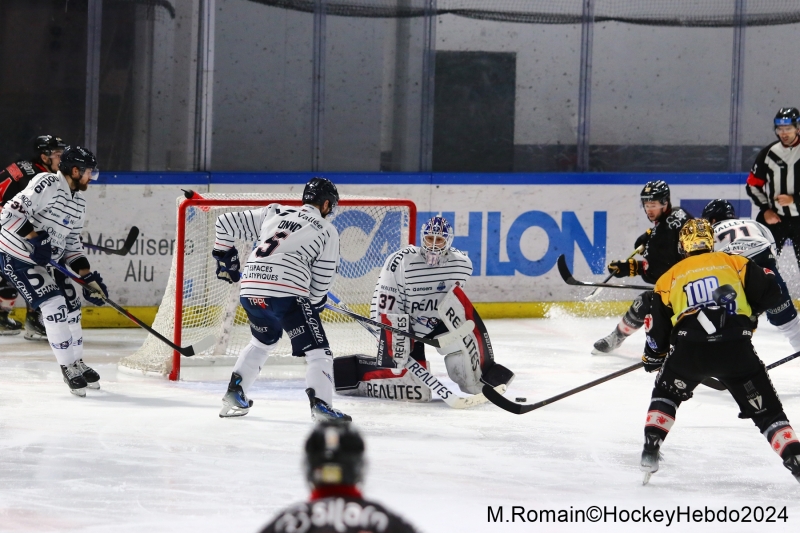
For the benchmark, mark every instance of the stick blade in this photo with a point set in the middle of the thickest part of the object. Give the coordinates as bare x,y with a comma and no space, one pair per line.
504,403
714,384
563,269
200,346
131,240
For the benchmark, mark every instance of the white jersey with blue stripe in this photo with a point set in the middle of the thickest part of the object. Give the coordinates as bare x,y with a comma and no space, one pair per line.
408,285
296,253
46,204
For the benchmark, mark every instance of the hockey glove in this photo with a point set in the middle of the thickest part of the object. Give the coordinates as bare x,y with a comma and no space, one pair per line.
623,269
90,295
228,265
42,252
652,362
320,305
643,238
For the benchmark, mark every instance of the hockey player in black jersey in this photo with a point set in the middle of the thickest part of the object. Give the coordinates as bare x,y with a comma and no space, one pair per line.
47,150
43,223
700,325
660,253
774,181
334,468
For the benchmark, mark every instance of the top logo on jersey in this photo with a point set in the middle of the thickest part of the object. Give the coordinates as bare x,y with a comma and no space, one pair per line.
648,322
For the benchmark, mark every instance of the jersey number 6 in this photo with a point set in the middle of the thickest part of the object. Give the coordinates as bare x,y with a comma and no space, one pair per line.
270,244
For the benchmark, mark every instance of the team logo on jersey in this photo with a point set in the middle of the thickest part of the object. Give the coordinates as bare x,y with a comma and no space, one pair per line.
652,343
15,171
441,286
768,271
753,396
648,322
680,384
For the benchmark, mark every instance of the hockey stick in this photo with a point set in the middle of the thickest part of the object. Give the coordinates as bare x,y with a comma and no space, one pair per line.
563,269
598,290
444,340
422,376
204,344
520,409
717,384
126,246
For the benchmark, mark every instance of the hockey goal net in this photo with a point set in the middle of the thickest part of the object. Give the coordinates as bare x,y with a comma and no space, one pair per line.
196,304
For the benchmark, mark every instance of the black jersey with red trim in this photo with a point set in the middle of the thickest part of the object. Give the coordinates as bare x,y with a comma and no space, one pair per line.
16,176
661,251
338,514
776,171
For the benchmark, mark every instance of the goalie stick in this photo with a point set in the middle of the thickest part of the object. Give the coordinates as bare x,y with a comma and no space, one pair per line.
566,275
130,240
203,344
421,375
598,290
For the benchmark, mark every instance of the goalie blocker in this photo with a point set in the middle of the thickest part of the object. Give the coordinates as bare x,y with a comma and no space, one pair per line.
469,359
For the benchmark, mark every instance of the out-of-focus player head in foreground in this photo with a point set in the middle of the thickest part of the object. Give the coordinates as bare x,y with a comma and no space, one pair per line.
334,466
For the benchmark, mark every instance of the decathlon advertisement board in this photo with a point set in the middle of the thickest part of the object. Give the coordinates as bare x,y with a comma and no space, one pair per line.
513,226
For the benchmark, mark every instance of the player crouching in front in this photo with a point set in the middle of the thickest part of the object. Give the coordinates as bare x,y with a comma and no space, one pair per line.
43,223
420,290
284,287
702,313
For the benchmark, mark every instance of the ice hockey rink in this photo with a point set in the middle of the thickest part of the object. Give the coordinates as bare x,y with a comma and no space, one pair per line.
145,454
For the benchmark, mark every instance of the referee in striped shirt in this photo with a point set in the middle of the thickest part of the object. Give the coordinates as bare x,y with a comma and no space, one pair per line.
774,182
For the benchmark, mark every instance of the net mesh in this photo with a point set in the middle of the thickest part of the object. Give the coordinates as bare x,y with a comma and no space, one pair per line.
368,234
701,13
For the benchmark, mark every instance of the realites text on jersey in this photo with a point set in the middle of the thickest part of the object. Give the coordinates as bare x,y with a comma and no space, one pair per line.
408,285
296,253
46,204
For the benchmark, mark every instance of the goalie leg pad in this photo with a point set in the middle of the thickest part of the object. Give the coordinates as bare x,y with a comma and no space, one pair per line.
359,375
393,350
465,371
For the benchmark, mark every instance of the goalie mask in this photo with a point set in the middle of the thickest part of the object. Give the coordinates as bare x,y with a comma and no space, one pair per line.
436,238
696,236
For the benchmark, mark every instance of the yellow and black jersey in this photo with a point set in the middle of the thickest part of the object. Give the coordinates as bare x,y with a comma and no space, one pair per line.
687,288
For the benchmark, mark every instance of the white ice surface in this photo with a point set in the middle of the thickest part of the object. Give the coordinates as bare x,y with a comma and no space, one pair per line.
144,454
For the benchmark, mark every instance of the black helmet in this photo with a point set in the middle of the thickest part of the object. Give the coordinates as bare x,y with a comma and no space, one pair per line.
46,144
717,210
318,190
75,156
657,190
787,116
334,455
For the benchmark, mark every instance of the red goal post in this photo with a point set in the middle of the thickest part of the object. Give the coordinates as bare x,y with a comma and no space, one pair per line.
196,304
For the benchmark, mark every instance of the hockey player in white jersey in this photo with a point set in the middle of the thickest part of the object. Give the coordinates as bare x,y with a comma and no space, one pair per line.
43,223
284,287
415,285
754,241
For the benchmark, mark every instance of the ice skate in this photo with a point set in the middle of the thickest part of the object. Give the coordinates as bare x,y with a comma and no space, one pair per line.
34,330
321,411
73,377
609,343
89,374
9,326
650,456
235,403
793,464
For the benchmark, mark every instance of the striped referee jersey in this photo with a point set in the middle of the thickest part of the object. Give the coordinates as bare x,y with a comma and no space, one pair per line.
776,171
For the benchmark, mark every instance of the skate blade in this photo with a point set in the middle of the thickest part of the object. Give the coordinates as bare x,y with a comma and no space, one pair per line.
95,385
9,332
229,411
80,393
34,337
646,479
595,351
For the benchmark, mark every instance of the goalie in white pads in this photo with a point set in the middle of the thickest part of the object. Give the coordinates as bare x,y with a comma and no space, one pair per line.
420,290
754,241
284,286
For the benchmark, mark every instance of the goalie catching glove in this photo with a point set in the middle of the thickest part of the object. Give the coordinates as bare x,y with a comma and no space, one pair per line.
94,281
628,268
228,265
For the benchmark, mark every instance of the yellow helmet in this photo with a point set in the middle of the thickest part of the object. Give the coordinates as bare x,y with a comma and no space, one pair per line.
696,235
